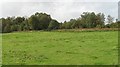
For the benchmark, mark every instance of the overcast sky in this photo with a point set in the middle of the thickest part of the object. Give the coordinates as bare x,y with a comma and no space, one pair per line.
60,10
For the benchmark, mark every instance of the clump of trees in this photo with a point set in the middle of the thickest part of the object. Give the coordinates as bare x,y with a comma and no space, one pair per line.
90,20
38,21
43,21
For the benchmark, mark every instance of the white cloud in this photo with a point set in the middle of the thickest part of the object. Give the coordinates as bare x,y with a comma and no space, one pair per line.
59,9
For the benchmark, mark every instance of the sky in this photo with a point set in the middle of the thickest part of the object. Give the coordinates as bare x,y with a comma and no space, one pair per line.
61,10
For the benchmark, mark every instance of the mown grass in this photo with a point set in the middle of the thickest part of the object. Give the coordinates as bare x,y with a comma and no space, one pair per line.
60,48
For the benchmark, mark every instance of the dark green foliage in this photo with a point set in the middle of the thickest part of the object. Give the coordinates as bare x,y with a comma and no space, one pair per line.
87,20
19,20
7,29
113,25
14,27
0,27
39,21
53,25
67,25
6,24
33,21
76,23
43,21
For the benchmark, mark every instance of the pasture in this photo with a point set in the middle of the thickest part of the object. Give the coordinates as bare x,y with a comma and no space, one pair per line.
60,48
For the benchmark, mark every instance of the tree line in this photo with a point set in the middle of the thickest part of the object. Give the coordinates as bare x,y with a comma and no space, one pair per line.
43,21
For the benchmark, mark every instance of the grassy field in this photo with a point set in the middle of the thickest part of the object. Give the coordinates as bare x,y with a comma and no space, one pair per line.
0,49
39,48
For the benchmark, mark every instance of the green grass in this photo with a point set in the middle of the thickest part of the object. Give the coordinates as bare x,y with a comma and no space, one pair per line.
74,48
0,49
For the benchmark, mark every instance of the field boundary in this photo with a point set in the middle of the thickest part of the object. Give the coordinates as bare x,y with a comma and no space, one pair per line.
73,30
87,29
60,66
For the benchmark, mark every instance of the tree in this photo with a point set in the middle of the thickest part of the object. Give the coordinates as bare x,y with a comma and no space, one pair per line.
33,22
19,20
84,19
110,19
43,20
7,29
100,20
6,24
92,20
88,20
63,25
67,25
74,23
53,24
26,25
0,25
14,28
39,21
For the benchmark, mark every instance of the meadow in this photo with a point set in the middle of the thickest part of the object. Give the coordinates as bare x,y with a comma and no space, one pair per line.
60,48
